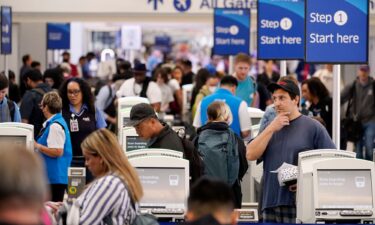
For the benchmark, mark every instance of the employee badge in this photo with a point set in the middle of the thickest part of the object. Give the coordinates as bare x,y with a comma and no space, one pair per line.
74,124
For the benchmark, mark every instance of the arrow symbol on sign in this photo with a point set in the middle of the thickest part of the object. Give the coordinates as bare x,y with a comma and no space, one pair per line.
155,3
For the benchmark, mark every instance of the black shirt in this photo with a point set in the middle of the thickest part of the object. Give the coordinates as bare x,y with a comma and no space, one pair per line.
324,110
187,78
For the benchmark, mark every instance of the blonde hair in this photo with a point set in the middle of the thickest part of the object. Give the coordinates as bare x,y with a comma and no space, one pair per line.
53,101
103,143
218,111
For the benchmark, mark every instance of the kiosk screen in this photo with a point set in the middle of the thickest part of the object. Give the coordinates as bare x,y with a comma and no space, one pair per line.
13,141
134,143
162,187
344,189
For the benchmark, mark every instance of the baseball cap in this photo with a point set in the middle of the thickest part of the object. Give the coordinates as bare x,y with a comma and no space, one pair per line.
139,113
286,85
364,68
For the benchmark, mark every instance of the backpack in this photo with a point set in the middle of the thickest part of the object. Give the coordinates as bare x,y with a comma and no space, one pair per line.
219,148
111,108
190,152
11,108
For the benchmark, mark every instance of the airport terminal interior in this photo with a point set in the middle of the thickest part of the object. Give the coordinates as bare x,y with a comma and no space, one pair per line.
132,108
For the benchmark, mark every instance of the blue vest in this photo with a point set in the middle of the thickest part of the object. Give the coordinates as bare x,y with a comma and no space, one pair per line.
232,101
57,168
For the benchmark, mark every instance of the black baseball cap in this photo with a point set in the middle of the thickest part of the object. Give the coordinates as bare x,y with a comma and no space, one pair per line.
286,85
139,113
140,68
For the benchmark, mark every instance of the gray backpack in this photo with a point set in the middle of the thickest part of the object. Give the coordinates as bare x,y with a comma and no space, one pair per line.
219,150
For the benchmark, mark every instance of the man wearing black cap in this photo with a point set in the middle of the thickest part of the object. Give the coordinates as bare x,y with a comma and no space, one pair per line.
287,135
148,127
361,95
141,86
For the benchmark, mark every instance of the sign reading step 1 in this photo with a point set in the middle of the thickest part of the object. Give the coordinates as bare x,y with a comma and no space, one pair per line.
281,29
231,31
337,31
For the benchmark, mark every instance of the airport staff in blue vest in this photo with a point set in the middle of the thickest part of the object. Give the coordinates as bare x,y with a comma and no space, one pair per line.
54,145
240,122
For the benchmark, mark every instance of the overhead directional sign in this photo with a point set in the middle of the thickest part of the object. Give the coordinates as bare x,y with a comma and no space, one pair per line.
281,29
231,31
58,36
6,30
337,31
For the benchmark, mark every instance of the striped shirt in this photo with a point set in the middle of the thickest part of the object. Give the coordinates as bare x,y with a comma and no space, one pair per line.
106,197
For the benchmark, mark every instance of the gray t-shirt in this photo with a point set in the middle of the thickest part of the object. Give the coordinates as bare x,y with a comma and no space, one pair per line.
301,135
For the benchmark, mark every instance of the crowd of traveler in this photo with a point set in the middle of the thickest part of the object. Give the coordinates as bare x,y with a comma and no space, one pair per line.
74,126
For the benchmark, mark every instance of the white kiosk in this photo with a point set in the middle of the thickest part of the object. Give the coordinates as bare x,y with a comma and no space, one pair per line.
335,187
165,179
124,106
17,134
254,173
255,115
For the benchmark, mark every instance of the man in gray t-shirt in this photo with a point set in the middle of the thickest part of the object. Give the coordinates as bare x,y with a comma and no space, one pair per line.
287,135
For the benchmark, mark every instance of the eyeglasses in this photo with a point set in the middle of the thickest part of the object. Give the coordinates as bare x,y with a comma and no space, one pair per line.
74,92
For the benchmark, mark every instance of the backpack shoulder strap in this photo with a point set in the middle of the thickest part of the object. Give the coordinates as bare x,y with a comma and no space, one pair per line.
145,87
11,108
40,91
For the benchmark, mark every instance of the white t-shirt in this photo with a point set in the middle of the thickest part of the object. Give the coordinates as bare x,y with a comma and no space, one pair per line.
131,88
245,123
173,83
56,135
166,95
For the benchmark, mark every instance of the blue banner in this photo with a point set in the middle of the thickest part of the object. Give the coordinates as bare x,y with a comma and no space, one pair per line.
337,31
6,30
281,29
231,31
58,36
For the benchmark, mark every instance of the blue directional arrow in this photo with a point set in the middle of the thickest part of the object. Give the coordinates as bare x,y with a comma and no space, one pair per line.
155,3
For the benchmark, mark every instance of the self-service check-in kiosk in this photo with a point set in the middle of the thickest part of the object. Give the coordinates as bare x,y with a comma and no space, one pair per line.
248,213
76,181
127,134
255,115
251,181
165,180
17,134
335,187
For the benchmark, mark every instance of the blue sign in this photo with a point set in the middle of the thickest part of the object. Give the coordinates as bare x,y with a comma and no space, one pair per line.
163,43
58,36
281,29
231,31
6,30
182,5
337,31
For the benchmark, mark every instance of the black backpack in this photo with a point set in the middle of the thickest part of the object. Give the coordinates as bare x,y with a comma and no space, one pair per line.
11,108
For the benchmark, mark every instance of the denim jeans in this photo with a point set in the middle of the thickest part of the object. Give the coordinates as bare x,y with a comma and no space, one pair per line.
367,141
